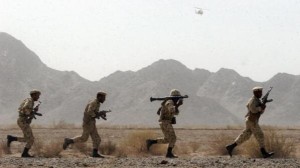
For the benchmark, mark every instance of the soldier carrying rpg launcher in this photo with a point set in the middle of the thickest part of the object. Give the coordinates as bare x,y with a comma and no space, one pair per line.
167,111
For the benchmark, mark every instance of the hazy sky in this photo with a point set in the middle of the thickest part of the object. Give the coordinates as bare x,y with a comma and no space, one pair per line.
257,38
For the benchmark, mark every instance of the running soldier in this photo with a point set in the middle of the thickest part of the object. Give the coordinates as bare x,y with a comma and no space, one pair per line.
89,125
168,109
255,109
26,114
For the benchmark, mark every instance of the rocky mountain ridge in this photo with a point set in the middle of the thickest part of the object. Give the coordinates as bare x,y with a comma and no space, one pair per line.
214,98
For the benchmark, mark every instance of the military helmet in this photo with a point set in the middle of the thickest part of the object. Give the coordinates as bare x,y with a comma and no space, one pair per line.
35,91
101,93
257,88
175,92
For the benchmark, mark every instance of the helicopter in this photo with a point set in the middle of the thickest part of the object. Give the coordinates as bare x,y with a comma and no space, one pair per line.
199,11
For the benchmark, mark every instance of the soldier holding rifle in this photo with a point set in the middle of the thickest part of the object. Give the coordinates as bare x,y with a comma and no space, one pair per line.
27,112
91,113
255,107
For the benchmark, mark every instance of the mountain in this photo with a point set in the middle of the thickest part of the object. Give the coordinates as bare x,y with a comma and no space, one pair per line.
21,70
214,98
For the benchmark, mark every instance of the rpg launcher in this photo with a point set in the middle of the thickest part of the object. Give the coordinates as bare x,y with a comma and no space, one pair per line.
168,98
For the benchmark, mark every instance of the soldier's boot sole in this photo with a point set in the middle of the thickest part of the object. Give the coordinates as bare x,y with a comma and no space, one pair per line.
97,156
171,156
268,155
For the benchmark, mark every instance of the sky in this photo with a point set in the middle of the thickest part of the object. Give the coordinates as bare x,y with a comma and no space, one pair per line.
256,38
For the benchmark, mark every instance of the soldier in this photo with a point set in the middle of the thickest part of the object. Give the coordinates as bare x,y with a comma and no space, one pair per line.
26,111
255,109
168,110
89,125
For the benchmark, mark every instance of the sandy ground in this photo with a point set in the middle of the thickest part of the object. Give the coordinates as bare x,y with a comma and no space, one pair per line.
199,158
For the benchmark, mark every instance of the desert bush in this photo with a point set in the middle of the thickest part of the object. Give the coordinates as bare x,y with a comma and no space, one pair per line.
217,145
37,147
107,148
83,148
282,146
158,149
182,148
62,124
52,149
194,146
4,149
47,149
135,143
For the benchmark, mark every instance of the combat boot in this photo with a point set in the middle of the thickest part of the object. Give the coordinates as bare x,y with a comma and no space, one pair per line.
25,153
170,154
230,148
265,153
150,142
96,154
67,142
10,139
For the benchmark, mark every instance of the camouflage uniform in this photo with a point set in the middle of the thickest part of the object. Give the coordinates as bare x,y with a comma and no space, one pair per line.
25,110
255,109
252,127
167,113
89,124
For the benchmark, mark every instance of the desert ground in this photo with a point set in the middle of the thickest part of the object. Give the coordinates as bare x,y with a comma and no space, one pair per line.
124,147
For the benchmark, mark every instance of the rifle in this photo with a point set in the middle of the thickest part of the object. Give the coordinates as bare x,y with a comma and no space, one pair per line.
34,112
265,99
168,98
102,114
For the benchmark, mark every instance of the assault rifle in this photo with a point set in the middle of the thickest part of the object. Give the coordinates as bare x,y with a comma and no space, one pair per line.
265,99
168,98
102,114
34,112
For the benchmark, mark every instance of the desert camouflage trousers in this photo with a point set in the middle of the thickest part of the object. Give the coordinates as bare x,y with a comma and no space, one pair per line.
251,128
27,132
89,130
169,134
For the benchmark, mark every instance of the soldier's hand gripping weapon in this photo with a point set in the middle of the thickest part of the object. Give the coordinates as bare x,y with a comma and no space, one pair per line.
102,114
265,99
168,98
35,112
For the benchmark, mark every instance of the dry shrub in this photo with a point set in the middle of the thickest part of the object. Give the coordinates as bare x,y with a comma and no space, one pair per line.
108,148
282,146
194,146
135,143
158,149
83,148
37,147
48,150
62,124
182,148
217,145
4,149
52,149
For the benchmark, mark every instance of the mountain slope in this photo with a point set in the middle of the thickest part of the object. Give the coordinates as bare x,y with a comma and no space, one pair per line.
214,98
